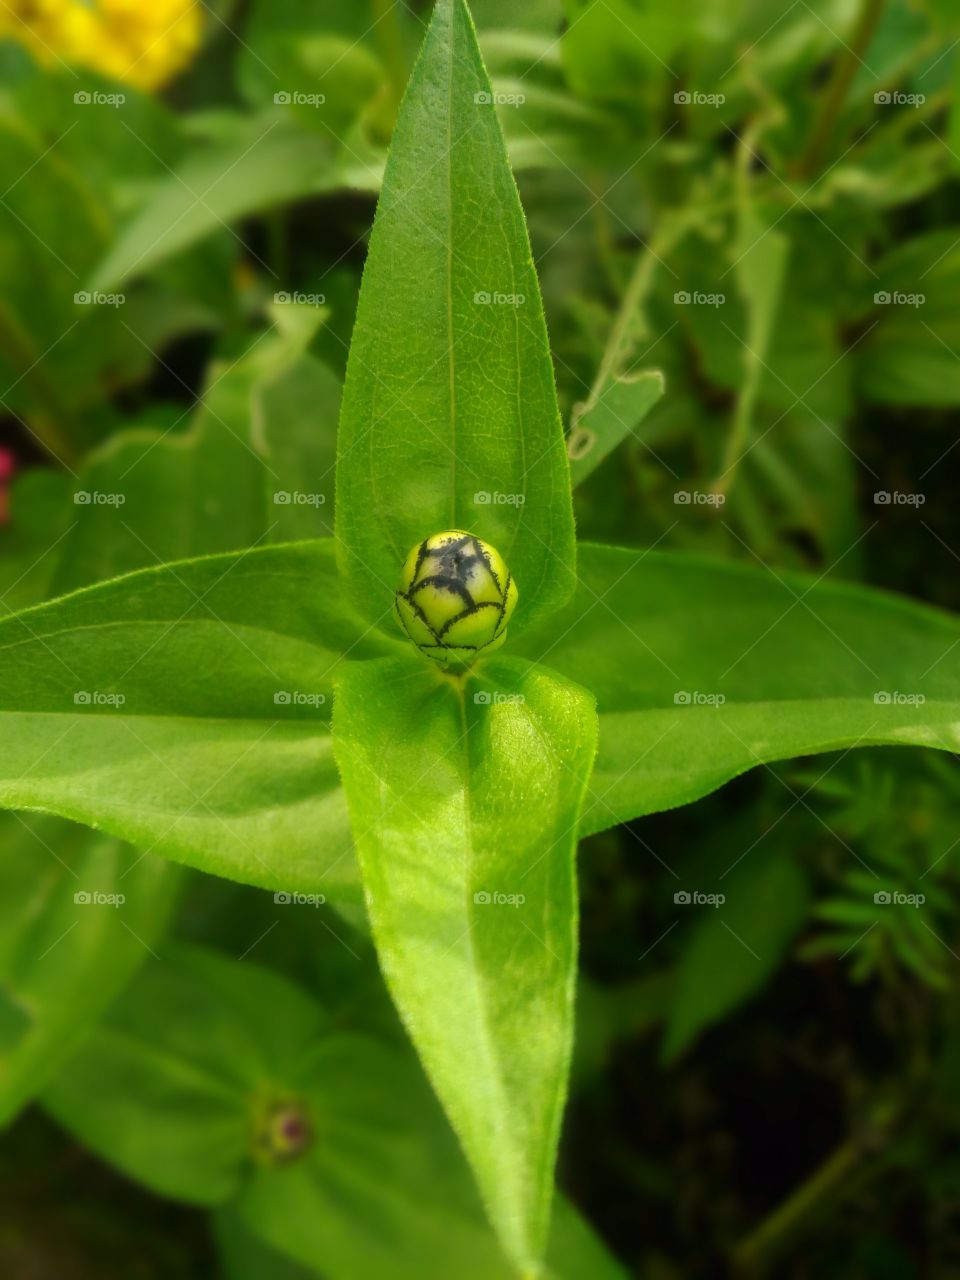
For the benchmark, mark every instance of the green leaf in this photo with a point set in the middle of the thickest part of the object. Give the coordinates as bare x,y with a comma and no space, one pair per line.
219,754
168,1086
464,800
270,162
449,415
736,945
544,126
619,409
798,662
174,1087
256,464
39,516
612,48
79,912
288,51
245,1256
911,353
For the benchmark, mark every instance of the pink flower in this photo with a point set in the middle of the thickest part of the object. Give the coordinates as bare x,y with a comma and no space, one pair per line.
7,467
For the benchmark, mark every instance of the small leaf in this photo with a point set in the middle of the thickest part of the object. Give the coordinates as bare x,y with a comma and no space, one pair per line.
464,800
449,417
735,946
616,413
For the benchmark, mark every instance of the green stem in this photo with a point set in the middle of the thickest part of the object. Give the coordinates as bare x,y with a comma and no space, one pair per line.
638,286
747,397
844,71
786,1218
829,1183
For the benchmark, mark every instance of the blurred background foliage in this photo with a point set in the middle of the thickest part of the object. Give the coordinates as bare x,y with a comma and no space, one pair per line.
746,223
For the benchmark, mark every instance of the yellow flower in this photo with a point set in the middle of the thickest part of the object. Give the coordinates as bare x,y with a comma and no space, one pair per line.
143,42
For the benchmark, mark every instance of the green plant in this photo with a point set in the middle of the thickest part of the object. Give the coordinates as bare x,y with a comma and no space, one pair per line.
187,708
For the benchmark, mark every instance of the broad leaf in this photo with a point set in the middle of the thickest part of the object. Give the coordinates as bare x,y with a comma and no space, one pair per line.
703,670
186,709
174,1089
256,464
464,801
449,415
79,912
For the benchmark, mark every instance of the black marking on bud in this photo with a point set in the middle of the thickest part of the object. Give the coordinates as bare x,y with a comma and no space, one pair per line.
456,559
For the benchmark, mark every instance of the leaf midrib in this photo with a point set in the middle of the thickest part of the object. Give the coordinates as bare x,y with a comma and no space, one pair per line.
494,1067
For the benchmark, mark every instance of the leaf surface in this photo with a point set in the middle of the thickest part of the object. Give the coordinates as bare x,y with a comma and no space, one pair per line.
173,1087
464,802
450,415
801,666
186,709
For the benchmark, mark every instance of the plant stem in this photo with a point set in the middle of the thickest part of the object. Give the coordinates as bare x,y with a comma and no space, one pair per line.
843,73
828,1182
648,258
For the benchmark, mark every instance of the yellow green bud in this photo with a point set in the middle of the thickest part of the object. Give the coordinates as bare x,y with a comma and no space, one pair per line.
455,599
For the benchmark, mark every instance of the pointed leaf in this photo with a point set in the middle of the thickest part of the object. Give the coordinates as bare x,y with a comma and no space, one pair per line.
703,670
186,709
464,801
616,413
450,415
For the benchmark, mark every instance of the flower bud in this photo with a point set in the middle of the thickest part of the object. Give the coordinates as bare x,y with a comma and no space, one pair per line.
283,1132
455,599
